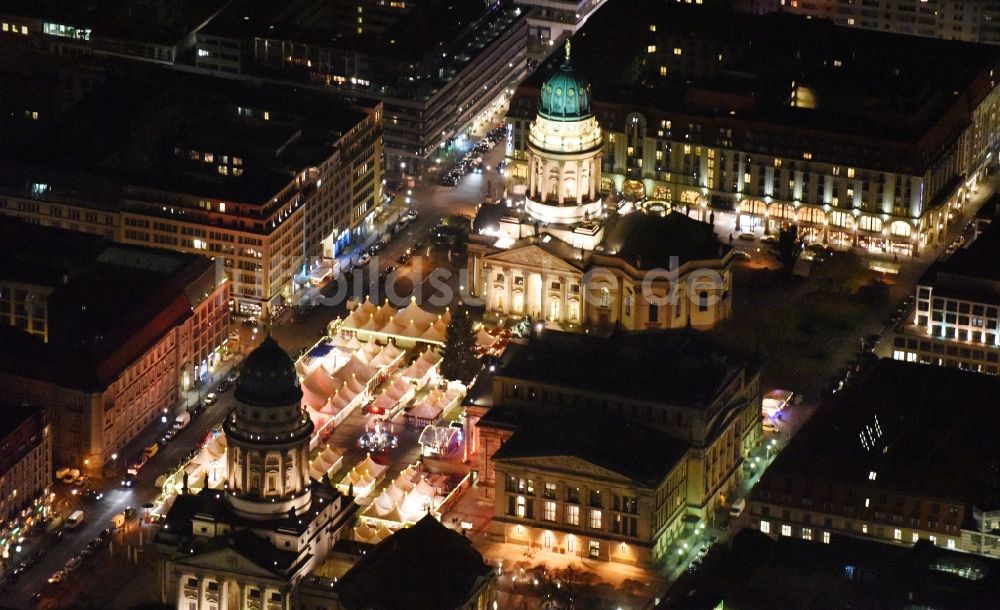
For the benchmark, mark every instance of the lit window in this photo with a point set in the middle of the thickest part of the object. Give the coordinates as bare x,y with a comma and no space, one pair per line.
6,27
651,48
864,528
850,172
826,537
807,533
786,530
850,21
678,51
222,206
807,155
932,538
267,115
595,519
915,538
868,501
209,157
765,527
652,28
520,506
871,475
573,515
663,70
24,29
549,513
951,543
223,169
897,534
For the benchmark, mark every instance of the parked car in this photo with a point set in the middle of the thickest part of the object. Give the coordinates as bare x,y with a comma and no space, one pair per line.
210,398
224,386
169,435
73,563
364,258
57,577
233,376
412,214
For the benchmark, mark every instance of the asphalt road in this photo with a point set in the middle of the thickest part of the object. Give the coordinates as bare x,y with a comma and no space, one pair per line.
98,514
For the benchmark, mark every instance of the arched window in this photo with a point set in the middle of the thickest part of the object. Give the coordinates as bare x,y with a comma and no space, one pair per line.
703,300
605,297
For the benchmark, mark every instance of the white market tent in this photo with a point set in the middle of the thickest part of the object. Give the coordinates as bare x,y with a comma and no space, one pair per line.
406,327
362,478
326,461
424,368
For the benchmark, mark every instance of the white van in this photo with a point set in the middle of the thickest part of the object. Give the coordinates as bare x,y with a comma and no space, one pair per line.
737,508
182,420
74,519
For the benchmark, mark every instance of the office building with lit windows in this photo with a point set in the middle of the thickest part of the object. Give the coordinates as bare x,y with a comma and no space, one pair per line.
106,335
437,67
901,455
108,29
955,321
861,139
698,418
265,181
945,19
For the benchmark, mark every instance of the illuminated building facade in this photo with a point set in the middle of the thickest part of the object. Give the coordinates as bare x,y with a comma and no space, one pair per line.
25,475
882,463
955,320
125,329
700,438
566,259
609,492
265,182
251,545
800,149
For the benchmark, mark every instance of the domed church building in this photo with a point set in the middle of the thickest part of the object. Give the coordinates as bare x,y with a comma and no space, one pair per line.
564,151
563,255
249,545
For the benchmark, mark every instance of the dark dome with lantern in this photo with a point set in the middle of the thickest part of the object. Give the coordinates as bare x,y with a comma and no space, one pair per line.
268,378
566,95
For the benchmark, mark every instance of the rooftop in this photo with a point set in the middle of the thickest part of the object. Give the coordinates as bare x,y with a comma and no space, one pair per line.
972,272
621,446
106,303
650,240
756,572
404,50
690,369
925,430
774,83
116,132
424,567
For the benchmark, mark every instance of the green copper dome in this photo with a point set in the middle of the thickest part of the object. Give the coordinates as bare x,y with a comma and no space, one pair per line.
566,95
